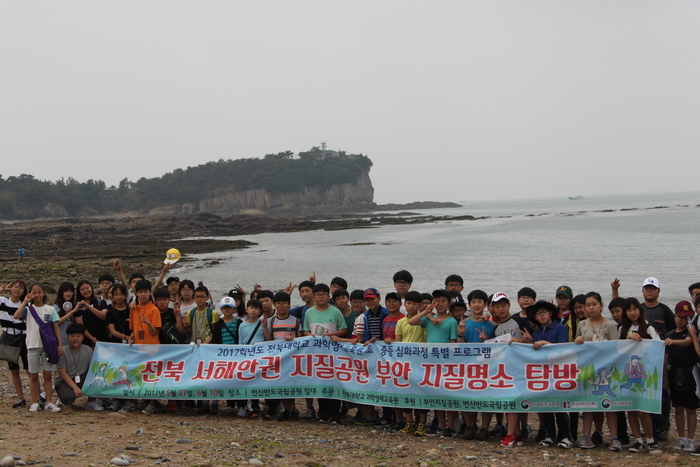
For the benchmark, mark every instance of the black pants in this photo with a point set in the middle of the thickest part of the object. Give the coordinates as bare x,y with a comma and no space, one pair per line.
662,422
562,420
65,393
328,408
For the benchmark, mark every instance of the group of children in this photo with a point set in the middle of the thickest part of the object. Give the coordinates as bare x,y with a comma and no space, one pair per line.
136,311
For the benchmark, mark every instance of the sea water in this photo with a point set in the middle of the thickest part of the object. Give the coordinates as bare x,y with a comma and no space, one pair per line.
538,243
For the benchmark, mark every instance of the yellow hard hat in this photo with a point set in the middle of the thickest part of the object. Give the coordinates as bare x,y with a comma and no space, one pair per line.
172,256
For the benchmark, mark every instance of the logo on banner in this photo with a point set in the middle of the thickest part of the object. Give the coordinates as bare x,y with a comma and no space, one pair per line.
525,405
606,403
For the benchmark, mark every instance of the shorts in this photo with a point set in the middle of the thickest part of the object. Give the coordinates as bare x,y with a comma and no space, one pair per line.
685,397
37,358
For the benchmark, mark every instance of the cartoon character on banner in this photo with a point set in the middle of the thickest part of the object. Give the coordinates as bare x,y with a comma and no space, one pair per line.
634,371
101,374
602,382
123,375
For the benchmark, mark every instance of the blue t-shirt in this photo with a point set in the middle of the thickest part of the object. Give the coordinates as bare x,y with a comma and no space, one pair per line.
556,333
245,330
471,334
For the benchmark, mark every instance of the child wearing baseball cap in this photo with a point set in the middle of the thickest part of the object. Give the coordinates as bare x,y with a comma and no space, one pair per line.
679,361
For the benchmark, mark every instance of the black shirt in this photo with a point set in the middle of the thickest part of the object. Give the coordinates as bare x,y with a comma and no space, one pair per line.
120,320
678,356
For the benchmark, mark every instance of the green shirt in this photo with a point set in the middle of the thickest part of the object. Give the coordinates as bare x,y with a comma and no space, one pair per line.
320,322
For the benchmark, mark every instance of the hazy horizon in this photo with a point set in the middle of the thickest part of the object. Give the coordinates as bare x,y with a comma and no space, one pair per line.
450,100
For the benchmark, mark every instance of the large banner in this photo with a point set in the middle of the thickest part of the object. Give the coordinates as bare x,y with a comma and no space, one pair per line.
595,376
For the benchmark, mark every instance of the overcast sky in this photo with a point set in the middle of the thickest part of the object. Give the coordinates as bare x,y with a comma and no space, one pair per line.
452,100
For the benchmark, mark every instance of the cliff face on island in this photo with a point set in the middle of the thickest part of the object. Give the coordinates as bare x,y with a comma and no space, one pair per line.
342,197
318,181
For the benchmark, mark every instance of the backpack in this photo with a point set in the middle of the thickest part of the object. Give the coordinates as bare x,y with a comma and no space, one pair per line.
173,334
48,337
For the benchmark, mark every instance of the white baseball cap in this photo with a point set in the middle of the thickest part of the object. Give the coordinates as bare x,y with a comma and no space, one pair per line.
497,297
227,301
651,281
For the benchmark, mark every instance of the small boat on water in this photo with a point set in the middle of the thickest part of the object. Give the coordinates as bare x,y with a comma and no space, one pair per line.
574,198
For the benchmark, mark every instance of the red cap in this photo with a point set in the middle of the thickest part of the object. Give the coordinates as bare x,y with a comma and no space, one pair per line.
684,309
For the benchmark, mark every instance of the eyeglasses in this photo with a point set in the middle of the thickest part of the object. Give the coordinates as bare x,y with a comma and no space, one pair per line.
321,295
541,313
453,284
402,283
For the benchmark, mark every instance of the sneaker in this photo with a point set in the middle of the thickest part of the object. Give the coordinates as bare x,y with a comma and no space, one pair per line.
202,410
437,431
509,441
448,433
586,443
310,414
499,431
381,423
214,409
284,416
655,448
170,407
242,412
689,445
255,415
115,406
547,442
34,408
597,439
637,447
267,416
128,407
294,416
696,452
566,443
469,432
541,435
94,406
526,432
409,429
482,434
151,409
19,403
322,419
396,426
421,430
661,435
363,421
615,445
51,407
680,445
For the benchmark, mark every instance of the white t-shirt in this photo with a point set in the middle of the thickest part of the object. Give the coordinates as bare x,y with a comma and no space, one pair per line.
47,314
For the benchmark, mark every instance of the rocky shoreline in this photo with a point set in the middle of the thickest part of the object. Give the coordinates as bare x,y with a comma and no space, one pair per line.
75,248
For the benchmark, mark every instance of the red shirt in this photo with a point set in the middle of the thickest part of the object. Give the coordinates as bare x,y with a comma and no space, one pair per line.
389,326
